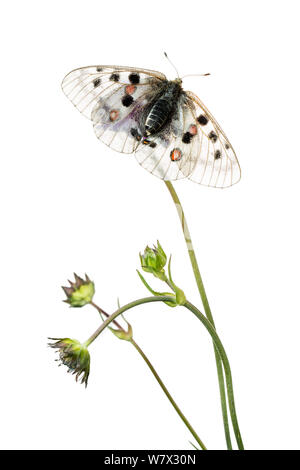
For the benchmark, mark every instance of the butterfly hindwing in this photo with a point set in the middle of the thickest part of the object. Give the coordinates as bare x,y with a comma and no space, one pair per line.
170,155
117,116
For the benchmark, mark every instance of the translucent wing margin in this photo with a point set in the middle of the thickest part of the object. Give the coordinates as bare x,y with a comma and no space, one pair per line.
216,164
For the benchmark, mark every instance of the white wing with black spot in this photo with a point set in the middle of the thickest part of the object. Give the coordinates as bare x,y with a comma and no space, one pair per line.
191,145
84,86
113,98
170,155
216,164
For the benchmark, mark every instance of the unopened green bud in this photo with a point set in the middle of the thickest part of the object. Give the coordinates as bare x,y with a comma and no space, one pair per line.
80,292
153,261
74,355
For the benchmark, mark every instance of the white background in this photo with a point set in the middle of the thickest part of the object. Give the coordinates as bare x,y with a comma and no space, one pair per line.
68,203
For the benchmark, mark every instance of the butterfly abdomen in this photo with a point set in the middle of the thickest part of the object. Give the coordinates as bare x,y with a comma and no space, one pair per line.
162,109
157,116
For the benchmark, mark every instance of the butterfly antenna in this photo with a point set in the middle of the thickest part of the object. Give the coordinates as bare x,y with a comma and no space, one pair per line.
172,64
196,75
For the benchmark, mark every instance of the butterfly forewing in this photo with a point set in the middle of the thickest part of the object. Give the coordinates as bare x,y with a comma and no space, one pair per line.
216,164
84,86
113,98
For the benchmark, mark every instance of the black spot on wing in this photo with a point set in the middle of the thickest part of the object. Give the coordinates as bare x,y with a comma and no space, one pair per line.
202,120
99,69
135,134
127,100
115,77
217,154
96,82
134,78
213,136
187,137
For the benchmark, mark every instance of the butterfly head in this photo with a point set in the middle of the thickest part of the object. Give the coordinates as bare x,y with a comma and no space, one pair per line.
177,80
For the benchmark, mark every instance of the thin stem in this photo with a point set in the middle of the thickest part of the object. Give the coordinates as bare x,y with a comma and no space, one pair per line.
162,385
173,403
123,309
198,278
209,327
220,348
102,312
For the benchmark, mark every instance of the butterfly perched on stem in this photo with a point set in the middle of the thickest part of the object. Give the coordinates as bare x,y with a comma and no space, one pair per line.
172,134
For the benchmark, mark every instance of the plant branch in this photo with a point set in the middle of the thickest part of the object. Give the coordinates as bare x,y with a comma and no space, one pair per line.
198,278
164,388
157,377
211,330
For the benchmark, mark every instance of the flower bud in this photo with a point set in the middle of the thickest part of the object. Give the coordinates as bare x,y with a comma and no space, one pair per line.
74,355
154,260
81,291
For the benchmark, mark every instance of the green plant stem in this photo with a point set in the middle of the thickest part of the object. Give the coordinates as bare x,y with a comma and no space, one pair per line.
198,278
211,330
123,309
173,403
224,358
157,377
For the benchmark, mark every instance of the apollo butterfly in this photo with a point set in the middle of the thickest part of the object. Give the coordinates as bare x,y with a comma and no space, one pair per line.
170,131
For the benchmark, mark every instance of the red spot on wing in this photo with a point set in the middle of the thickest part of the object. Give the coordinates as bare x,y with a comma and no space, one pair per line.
130,89
176,155
113,115
193,129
